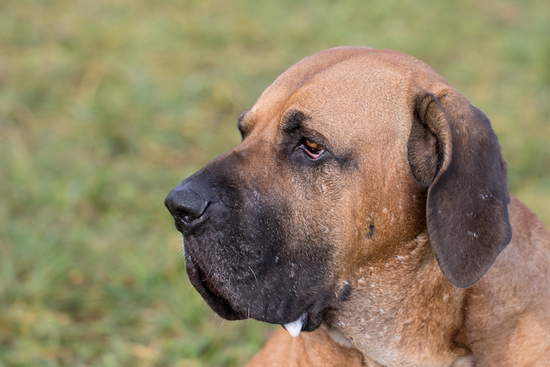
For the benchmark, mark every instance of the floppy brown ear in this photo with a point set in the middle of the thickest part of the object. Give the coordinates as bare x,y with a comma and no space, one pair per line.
454,151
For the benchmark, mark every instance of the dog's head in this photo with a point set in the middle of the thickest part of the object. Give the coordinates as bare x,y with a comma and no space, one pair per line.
348,154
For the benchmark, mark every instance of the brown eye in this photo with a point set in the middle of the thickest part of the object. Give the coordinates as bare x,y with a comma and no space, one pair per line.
312,149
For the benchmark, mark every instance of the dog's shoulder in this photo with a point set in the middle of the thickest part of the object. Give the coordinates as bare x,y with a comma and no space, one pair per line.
509,305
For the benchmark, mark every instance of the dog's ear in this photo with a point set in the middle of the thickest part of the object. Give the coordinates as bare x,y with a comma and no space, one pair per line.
454,152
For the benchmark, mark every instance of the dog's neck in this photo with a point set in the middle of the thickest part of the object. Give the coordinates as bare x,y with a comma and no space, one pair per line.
393,306
336,335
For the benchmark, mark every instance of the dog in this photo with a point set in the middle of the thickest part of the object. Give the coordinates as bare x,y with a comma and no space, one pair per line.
367,210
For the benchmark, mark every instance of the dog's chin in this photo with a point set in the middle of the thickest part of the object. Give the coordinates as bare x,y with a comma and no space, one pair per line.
211,295
310,316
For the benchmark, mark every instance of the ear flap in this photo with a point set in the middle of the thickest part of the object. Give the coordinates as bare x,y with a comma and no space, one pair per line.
453,149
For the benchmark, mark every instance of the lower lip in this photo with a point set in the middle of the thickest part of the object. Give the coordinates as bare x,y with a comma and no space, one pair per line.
206,283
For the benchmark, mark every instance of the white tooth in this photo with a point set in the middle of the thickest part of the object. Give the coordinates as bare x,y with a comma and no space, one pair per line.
295,327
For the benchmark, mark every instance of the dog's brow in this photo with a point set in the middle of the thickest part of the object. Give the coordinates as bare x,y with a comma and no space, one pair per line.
241,116
240,123
293,121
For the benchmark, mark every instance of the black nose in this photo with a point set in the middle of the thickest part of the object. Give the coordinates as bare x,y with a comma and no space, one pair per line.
186,206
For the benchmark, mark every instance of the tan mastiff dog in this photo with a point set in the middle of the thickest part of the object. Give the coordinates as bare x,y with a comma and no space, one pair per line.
367,210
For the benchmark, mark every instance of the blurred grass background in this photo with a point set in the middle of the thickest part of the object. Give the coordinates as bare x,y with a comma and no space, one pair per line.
106,105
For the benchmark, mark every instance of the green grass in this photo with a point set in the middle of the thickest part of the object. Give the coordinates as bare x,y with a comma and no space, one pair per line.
106,105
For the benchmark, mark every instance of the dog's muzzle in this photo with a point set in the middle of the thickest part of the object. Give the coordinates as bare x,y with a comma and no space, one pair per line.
243,254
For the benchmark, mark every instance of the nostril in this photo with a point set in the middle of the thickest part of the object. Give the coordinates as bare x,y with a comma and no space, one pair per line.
183,216
186,205
190,214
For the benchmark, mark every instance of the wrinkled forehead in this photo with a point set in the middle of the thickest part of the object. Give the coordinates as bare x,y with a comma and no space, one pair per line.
349,92
344,99
341,88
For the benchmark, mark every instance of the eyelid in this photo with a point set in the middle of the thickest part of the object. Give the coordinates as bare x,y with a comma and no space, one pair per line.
312,144
316,138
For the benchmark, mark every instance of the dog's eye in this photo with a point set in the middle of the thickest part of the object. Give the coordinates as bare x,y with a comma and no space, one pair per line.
311,148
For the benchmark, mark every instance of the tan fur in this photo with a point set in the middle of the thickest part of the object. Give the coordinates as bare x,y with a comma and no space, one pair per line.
310,349
402,310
